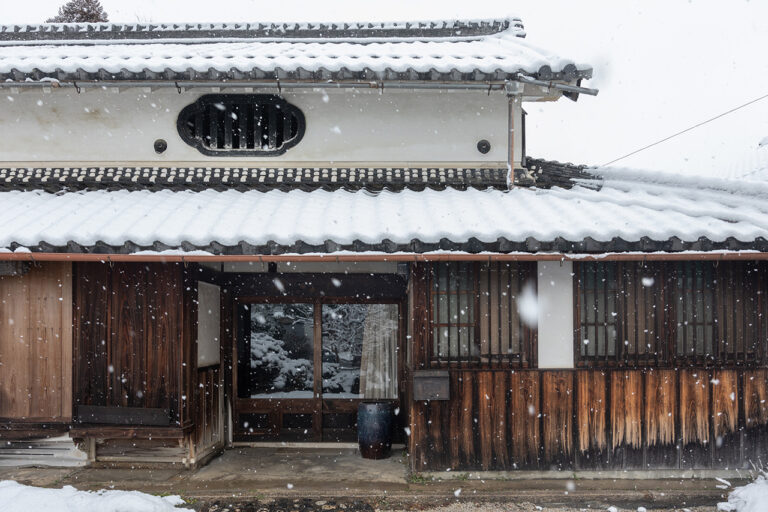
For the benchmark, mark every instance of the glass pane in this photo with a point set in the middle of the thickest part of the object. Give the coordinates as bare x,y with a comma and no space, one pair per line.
360,350
281,351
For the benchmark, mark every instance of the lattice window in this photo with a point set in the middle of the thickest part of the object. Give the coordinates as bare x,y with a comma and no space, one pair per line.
671,313
476,314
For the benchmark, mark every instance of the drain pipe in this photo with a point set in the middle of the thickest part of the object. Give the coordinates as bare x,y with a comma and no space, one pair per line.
514,90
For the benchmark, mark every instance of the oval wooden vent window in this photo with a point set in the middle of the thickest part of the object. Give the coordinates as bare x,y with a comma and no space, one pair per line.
241,125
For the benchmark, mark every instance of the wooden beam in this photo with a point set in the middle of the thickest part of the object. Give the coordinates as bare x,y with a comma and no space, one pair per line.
385,257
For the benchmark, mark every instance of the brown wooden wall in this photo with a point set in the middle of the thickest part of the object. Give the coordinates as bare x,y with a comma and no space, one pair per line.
593,419
209,417
36,344
133,332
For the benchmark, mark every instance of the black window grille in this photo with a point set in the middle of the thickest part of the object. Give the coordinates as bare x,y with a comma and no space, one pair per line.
475,314
241,125
671,313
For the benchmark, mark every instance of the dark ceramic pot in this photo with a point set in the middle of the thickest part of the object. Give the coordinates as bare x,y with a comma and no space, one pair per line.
374,429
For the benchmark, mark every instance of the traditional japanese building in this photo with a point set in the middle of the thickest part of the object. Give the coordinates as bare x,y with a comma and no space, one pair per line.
220,234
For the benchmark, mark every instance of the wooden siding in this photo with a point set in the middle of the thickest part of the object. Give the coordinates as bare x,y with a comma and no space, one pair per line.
129,349
209,417
36,344
593,419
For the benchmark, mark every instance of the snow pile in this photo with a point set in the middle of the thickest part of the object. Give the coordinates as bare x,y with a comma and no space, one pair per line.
16,497
749,498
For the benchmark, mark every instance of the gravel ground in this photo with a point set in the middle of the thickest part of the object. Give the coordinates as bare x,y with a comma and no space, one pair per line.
310,505
530,507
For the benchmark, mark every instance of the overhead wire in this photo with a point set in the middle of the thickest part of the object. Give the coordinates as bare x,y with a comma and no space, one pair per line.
743,105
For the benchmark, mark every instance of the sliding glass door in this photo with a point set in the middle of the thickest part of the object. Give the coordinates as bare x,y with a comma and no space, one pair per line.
303,367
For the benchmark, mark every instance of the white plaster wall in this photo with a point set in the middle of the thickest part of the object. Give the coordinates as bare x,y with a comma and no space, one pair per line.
344,126
555,294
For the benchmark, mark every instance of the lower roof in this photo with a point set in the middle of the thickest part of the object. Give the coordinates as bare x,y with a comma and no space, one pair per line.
617,211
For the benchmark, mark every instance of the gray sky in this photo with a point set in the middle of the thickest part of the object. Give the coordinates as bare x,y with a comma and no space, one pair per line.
661,66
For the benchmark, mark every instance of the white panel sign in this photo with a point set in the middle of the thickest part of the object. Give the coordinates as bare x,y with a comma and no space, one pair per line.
555,287
208,326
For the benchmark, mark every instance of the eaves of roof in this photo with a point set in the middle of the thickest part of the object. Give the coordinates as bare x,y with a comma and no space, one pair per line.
539,173
446,51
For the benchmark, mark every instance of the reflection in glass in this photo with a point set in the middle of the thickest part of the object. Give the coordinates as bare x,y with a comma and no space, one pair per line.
360,350
281,350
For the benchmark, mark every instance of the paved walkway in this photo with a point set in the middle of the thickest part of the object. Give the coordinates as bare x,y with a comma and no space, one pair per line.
323,473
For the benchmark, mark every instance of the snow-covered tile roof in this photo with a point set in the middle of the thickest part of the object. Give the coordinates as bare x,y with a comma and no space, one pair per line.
632,211
475,50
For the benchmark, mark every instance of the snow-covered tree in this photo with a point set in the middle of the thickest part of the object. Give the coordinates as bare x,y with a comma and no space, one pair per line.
80,11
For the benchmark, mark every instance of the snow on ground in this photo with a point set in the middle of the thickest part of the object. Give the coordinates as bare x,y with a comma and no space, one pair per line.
749,498
16,497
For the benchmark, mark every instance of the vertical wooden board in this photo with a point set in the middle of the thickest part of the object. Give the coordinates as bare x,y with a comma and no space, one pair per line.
755,398
506,319
14,352
43,317
130,281
591,419
484,308
420,314
417,442
163,325
725,404
493,303
36,367
726,439
660,413
591,410
484,421
660,417
91,336
67,340
468,428
557,412
523,418
627,408
184,355
454,423
35,344
499,421
435,425
207,424
694,418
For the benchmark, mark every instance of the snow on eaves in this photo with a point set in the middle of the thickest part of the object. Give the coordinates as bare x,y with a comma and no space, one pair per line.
413,53
625,208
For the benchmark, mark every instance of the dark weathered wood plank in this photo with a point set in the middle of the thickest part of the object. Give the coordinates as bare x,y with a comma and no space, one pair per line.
524,417
755,397
467,417
134,416
725,403
660,413
591,410
499,420
485,425
557,411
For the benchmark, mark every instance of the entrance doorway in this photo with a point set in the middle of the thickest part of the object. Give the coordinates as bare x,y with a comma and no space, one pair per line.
303,366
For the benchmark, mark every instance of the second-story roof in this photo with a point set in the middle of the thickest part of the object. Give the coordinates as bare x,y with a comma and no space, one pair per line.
453,50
